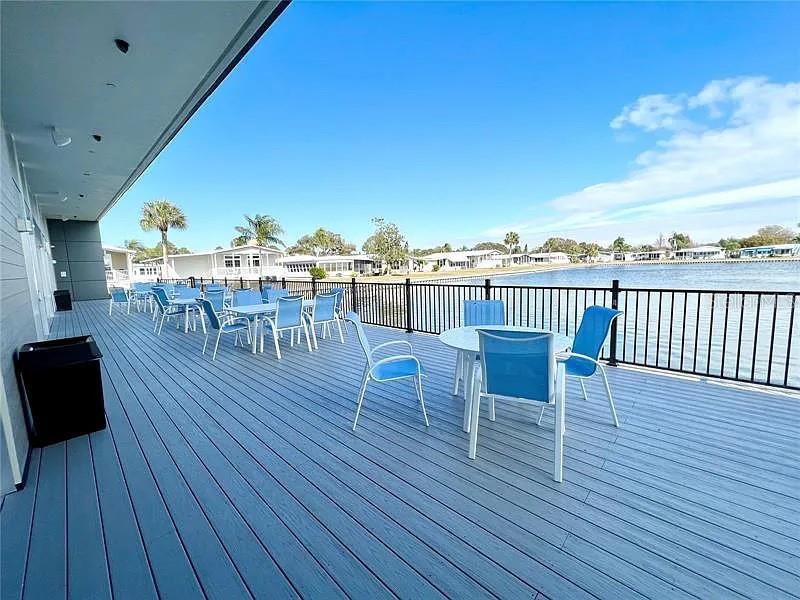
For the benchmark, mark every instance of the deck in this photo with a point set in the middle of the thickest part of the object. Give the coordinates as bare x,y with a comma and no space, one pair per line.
241,478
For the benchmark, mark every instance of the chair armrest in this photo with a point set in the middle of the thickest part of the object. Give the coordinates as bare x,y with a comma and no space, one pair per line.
392,343
566,355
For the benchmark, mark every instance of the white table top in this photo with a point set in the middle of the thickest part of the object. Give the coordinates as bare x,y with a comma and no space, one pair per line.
466,338
260,309
183,301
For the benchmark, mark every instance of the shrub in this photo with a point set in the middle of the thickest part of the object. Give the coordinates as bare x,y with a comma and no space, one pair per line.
436,267
317,272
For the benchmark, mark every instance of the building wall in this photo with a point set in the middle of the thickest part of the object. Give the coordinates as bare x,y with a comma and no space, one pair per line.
78,254
25,305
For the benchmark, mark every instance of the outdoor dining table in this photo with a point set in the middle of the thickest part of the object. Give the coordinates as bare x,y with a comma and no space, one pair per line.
465,340
257,311
187,302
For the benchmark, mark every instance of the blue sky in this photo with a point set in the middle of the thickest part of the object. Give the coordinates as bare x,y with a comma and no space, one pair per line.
460,121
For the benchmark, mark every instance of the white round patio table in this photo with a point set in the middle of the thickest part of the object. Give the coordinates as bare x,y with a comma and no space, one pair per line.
465,340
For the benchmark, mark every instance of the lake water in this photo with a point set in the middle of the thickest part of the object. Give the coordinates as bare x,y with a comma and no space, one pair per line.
761,276
740,322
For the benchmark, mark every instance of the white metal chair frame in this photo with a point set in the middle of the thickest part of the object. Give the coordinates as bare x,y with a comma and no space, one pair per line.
324,325
223,321
563,356
112,302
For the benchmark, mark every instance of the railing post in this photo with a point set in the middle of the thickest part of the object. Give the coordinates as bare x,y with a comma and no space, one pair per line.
191,281
612,351
241,283
283,282
201,282
487,289
260,287
313,287
226,282
409,324
353,294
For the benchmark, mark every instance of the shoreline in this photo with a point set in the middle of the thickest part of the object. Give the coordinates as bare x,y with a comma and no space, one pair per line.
472,274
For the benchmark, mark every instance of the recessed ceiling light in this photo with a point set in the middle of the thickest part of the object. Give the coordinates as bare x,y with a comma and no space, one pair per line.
97,137
122,45
59,139
111,84
64,219
91,152
86,173
64,198
81,196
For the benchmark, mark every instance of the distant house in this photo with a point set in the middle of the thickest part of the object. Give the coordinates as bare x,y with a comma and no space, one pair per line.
337,266
623,256
650,255
699,253
549,257
776,250
467,259
118,265
248,261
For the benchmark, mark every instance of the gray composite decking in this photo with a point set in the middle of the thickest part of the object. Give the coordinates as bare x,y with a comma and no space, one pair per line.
242,478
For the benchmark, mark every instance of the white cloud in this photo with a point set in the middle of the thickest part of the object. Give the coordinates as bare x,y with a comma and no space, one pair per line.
735,143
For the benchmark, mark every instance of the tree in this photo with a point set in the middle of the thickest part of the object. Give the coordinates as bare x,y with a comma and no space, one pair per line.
730,245
619,245
679,241
162,215
262,229
511,241
322,242
491,246
589,249
565,245
386,244
769,236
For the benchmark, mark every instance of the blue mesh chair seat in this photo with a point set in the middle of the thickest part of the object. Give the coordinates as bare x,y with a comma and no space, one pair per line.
517,366
224,324
119,297
324,314
391,368
166,309
288,317
584,359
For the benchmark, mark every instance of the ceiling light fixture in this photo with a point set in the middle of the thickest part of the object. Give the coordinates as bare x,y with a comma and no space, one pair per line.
64,198
81,196
97,137
86,173
122,45
64,219
59,139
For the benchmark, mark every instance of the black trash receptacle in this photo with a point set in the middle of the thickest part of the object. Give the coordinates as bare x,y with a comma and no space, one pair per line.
63,299
62,388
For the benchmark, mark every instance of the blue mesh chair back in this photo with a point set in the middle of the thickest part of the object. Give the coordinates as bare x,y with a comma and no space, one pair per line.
216,298
324,307
214,286
272,295
362,337
208,307
518,364
188,293
289,312
339,297
161,297
484,312
167,287
118,295
589,339
246,298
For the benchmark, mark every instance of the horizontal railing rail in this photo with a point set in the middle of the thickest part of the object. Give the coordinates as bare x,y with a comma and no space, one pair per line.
739,335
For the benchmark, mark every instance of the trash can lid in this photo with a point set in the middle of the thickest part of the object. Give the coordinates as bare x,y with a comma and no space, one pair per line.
59,352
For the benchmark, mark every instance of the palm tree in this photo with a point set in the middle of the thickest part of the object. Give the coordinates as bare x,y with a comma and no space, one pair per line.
261,228
161,215
512,241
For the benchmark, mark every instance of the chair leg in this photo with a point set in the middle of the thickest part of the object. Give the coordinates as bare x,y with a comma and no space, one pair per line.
277,346
541,414
583,388
339,325
216,345
314,336
473,424
491,409
110,306
418,385
610,399
205,343
305,331
457,374
361,393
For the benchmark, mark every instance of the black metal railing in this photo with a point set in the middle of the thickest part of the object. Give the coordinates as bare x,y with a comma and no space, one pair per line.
729,334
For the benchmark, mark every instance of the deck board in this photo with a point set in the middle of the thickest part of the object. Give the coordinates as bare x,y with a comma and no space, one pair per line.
242,478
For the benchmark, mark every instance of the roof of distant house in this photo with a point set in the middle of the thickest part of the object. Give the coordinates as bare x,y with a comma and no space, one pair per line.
209,252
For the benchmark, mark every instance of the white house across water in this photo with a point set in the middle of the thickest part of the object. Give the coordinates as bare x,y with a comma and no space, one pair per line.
248,261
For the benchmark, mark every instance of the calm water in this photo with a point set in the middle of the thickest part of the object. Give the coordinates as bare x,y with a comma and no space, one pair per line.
766,276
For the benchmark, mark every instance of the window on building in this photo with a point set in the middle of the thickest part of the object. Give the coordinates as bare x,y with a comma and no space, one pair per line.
232,260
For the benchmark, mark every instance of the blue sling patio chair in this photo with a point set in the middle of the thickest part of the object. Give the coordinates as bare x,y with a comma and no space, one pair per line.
119,297
323,313
391,368
288,317
583,360
517,366
217,298
339,308
478,312
166,309
227,324
271,295
265,287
